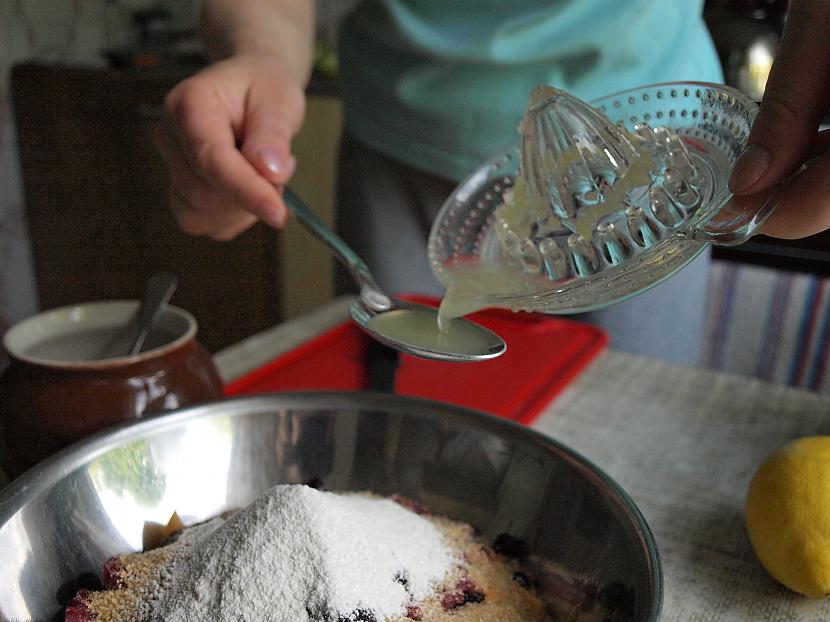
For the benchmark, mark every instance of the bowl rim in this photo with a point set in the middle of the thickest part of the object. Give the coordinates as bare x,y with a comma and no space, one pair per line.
28,486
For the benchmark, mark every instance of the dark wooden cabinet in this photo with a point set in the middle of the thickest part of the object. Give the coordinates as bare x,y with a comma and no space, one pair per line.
96,204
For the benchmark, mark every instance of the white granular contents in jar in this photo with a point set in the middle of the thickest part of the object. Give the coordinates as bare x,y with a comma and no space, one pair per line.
297,554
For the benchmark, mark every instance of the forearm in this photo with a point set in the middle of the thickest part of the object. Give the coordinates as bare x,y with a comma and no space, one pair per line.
284,28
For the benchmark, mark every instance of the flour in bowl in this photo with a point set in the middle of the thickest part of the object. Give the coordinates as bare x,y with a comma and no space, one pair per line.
297,553
301,554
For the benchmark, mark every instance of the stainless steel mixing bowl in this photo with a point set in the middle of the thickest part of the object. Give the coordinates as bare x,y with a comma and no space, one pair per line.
60,521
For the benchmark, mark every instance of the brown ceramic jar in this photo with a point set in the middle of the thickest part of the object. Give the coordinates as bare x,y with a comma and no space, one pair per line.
67,378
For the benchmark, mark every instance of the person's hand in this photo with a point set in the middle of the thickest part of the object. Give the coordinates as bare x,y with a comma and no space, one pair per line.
226,137
785,133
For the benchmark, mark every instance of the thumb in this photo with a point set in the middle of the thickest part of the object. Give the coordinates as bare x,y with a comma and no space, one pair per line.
273,116
795,100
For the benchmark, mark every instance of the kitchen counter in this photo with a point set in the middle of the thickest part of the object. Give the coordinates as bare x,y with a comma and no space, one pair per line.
683,442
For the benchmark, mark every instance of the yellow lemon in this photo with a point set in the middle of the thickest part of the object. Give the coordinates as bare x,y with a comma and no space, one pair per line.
788,515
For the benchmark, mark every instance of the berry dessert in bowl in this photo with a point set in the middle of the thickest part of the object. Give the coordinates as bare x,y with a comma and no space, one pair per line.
323,507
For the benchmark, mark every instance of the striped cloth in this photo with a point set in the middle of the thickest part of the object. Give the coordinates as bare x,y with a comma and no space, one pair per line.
770,324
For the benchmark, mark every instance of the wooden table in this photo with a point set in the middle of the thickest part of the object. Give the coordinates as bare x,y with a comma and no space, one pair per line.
683,442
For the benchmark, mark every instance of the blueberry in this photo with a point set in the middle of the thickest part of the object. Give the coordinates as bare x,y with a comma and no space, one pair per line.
510,546
522,579
474,597
589,596
616,597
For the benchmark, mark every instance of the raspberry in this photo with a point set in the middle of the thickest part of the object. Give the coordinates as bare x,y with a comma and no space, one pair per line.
111,574
77,610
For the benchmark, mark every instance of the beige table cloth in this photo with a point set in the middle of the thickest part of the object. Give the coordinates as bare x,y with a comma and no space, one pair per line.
684,443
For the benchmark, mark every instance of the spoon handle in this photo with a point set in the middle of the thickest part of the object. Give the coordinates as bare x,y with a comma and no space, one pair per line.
369,290
159,290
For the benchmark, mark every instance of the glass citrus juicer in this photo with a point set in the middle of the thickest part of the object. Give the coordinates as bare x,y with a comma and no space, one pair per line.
597,202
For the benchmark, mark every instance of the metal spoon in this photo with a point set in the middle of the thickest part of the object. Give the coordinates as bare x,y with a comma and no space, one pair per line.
157,294
405,326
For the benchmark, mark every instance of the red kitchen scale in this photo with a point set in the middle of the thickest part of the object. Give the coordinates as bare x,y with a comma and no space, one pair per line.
544,353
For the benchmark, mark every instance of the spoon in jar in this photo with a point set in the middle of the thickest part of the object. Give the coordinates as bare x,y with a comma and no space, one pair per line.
157,294
406,326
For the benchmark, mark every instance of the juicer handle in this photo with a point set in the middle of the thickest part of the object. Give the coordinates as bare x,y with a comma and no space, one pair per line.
741,217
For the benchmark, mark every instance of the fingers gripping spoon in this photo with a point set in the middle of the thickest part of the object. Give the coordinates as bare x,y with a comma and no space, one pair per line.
405,326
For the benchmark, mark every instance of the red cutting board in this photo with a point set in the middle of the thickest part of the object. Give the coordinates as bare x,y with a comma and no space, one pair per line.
543,355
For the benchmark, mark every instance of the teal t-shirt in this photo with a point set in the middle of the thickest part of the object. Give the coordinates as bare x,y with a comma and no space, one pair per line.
442,84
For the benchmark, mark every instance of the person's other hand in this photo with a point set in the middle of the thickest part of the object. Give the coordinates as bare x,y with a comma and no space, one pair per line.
785,133
226,137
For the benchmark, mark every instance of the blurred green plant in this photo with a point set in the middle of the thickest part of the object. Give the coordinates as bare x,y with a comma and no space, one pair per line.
132,470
